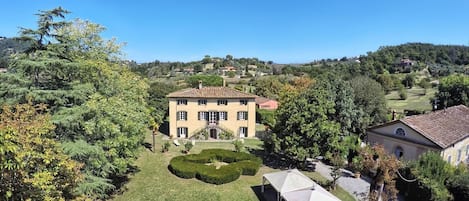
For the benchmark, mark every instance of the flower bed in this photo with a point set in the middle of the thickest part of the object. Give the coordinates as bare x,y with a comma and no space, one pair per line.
194,165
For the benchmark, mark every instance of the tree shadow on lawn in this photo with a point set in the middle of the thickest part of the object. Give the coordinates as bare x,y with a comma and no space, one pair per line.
274,160
269,193
120,181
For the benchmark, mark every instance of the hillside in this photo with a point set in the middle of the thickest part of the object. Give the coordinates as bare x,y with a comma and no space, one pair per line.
9,46
442,60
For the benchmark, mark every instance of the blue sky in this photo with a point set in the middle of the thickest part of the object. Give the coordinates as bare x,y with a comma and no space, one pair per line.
283,31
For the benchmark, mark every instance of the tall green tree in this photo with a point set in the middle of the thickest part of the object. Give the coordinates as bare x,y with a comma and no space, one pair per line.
303,126
98,105
453,90
369,96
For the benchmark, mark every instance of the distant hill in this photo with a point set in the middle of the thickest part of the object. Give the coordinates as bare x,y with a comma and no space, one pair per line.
9,46
441,59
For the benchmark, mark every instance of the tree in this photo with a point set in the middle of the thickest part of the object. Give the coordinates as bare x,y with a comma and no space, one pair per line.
409,80
268,86
98,105
402,93
386,82
453,90
369,96
207,80
458,185
425,84
32,165
303,128
431,172
347,114
384,167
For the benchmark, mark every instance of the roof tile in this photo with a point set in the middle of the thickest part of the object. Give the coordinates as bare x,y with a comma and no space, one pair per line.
210,92
443,127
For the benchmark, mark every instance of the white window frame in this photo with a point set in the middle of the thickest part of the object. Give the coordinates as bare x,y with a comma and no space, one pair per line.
242,115
223,116
181,115
243,132
203,116
449,159
182,132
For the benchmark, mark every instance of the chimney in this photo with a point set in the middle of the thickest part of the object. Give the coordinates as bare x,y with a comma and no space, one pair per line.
393,115
200,84
224,83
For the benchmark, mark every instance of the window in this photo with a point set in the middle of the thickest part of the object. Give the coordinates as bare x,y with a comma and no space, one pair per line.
242,115
223,115
243,102
203,116
182,132
459,155
467,149
182,102
181,115
398,152
202,102
243,131
222,102
449,159
400,132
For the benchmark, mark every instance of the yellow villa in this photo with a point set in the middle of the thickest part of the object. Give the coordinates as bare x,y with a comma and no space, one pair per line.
211,109
444,131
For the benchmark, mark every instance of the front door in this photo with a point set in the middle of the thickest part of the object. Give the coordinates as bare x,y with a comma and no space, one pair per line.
213,133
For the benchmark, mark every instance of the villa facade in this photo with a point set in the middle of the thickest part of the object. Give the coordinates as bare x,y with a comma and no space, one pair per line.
445,132
211,109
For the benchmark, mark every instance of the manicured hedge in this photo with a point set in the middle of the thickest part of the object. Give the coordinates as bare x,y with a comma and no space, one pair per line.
193,165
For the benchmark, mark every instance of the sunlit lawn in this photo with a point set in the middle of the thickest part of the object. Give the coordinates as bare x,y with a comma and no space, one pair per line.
416,100
154,181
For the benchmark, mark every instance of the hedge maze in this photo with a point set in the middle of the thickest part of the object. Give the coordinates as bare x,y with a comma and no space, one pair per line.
195,165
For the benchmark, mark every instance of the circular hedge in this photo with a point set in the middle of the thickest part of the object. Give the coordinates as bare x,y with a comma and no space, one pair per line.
194,165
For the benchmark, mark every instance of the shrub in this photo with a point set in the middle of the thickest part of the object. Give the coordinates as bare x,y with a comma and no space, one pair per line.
193,165
239,145
402,93
226,135
165,146
188,146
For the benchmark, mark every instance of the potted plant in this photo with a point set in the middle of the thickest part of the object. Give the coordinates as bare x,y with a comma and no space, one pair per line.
188,146
357,165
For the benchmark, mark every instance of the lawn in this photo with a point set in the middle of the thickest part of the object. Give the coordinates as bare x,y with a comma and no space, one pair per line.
153,181
416,100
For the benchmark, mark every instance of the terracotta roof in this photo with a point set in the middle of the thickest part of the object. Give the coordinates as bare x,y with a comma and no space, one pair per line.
443,127
260,100
210,92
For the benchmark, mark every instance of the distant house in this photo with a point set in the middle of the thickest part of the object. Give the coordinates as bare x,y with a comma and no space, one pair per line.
224,70
265,103
444,131
3,70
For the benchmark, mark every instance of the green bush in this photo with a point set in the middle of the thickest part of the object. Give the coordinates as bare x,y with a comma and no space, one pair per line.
226,135
193,165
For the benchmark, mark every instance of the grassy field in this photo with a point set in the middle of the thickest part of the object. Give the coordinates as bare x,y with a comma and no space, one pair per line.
416,100
153,181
